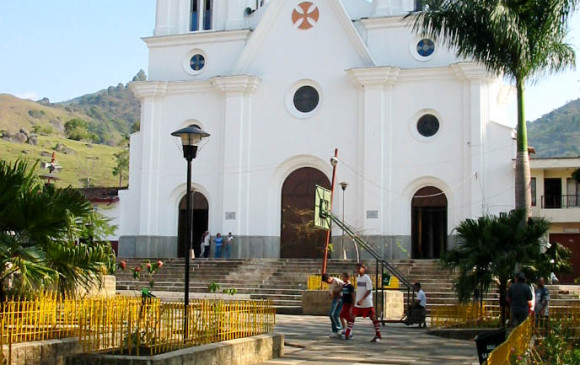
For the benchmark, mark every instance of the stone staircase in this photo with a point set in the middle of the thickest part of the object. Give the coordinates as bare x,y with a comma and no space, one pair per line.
282,280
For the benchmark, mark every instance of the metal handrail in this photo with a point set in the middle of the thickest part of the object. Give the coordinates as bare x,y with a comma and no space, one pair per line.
560,201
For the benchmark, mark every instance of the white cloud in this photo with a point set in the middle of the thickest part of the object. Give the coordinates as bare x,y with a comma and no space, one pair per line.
27,95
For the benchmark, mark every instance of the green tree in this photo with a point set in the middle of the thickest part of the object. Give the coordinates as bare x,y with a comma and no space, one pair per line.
489,250
40,229
520,39
77,129
122,167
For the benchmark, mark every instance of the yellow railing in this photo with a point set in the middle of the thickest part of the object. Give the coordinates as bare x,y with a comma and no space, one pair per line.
517,344
128,326
315,283
462,316
132,325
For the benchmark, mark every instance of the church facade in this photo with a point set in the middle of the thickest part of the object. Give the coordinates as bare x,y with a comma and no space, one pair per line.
421,136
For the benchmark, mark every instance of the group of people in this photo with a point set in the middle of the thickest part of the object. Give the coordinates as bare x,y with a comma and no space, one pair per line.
523,299
349,303
221,245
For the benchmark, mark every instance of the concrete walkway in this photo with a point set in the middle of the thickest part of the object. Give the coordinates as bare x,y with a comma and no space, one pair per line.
307,342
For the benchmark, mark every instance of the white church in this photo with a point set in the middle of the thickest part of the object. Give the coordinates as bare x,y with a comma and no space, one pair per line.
422,137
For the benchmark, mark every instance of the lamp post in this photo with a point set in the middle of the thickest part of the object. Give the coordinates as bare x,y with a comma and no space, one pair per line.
343,186
190,136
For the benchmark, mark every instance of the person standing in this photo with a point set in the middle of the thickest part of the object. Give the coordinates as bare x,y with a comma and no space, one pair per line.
348,299
334,291
228,246
542,304
219,240
363,306
205,244
519,297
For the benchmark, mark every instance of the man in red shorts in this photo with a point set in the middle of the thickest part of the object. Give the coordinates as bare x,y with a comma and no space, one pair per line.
363,306
348,299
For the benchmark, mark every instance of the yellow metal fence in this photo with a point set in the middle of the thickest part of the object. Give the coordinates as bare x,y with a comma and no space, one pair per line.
154,327
133,325
314,282
517,344
462,316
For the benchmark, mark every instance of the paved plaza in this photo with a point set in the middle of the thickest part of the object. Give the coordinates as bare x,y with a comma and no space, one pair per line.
307,342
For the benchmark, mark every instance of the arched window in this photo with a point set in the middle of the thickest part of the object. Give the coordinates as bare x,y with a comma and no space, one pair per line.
201,13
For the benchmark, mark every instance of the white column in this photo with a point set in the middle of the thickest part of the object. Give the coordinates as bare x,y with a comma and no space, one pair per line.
150,93
183,16
162,19
238,92
475,119
235,19
374,146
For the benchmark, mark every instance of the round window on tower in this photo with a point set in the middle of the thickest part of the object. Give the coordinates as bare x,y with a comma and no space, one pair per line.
195,62
425,47
428,125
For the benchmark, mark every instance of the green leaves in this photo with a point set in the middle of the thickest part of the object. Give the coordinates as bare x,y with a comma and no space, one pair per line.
520,39
48,235
490,247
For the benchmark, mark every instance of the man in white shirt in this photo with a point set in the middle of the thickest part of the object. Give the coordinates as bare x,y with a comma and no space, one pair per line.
363,307
417,311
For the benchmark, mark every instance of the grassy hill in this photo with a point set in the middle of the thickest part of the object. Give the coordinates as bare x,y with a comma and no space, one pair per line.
81,162
18,113
110,114
557,134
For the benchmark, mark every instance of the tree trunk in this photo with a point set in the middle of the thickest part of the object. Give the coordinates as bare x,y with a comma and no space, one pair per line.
504,309
523,177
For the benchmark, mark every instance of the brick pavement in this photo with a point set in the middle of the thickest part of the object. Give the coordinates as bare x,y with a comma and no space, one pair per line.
307,343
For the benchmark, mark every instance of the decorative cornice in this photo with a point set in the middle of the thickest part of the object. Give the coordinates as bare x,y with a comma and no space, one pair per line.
195,38
143,89
384,22
374,76
471,71
238,84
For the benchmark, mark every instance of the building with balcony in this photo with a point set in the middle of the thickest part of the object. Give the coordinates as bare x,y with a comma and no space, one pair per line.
556,197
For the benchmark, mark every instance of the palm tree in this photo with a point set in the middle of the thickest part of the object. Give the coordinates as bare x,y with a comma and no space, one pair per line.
520,39
39,227
489,250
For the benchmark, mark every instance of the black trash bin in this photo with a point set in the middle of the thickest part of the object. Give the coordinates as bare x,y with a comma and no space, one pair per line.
487,342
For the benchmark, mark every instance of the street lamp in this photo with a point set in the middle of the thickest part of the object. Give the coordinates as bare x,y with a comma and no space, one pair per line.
343,186
190,136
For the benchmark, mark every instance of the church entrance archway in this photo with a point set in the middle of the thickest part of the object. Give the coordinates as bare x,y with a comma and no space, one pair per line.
299,238
428,223
199,223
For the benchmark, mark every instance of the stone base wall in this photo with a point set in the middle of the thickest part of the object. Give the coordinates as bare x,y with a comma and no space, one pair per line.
243,351
107,288
148,246
317,302
166,247
48,352
390,247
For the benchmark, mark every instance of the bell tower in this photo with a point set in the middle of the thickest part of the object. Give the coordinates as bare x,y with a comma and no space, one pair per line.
185,16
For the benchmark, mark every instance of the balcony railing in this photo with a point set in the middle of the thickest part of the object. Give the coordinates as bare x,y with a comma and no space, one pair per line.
560,201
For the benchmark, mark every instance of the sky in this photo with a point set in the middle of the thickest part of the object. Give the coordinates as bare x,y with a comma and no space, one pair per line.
61,49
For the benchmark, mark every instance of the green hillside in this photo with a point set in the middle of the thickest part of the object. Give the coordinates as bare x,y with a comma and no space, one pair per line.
81,161
33,129
557,134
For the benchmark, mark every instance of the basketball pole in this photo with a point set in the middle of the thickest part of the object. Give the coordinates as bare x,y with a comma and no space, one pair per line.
333,162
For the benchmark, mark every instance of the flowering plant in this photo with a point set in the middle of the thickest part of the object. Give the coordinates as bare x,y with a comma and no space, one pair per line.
147,268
